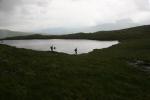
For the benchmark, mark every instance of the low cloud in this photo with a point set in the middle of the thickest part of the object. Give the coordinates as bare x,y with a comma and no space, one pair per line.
33,15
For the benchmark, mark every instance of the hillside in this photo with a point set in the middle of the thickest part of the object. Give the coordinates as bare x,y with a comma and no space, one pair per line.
121,72
130,33
8,33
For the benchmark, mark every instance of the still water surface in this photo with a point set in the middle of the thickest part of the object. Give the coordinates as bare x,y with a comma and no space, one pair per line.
62,45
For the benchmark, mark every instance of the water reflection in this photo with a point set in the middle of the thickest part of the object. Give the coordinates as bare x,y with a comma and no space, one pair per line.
62,45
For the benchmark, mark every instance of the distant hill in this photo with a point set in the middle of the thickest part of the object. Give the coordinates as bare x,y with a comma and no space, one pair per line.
8,33
129,33
124,34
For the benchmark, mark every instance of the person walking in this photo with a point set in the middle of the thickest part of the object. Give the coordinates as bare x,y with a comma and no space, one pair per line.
76,51
54,48
51,47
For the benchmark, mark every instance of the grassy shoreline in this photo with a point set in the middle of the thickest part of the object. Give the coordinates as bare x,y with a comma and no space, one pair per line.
99,75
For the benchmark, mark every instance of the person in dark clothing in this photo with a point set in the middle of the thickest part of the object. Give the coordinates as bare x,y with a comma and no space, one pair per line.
51,48
76,51
54,48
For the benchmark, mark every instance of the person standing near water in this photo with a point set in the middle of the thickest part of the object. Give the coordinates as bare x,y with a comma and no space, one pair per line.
76,51
51,47
54,48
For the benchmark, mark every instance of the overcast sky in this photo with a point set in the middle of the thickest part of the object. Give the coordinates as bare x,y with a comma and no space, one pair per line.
38,15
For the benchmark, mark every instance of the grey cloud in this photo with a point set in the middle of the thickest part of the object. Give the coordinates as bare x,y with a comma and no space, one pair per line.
143,4
68,15
120,24
43,4
8,5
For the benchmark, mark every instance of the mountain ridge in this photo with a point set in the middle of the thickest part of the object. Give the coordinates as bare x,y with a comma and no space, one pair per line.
129,33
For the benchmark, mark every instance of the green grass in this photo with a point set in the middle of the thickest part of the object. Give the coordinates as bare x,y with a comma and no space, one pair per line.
100,75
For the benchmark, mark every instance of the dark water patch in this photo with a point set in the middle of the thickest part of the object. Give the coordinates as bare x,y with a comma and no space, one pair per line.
143,65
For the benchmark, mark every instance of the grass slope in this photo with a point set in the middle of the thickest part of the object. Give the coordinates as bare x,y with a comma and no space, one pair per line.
131,33
100,75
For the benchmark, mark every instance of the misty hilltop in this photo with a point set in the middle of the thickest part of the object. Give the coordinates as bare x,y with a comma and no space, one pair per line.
123,34
8,33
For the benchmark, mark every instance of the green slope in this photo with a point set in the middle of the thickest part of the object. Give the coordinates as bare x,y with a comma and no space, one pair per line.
107,74
131,33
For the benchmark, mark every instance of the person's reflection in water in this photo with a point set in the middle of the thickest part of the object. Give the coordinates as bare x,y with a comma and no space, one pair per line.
76,51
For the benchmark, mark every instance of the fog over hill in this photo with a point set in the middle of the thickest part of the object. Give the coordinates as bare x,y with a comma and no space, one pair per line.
123,34
71,16
8,33
120,24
